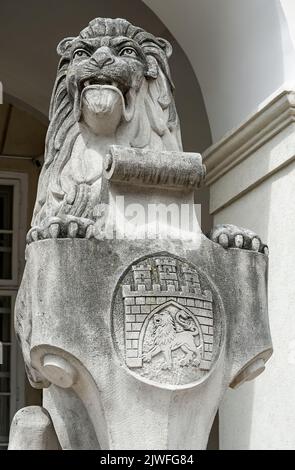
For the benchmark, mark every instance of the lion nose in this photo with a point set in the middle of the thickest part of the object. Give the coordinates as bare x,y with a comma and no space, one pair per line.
102,57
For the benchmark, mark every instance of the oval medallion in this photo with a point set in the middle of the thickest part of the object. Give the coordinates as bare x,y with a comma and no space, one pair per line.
167,320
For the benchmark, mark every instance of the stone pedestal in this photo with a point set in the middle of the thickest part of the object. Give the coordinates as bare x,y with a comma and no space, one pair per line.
136,339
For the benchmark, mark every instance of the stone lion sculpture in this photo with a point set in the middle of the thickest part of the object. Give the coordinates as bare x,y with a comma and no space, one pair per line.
113,87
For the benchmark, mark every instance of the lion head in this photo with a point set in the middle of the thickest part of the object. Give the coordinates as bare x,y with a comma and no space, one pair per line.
113,86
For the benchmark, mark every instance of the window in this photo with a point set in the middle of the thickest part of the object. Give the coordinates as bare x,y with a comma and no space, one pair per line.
12,187
6,232
10,232
6,304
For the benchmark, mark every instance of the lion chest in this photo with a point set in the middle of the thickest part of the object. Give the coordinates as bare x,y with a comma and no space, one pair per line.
83,167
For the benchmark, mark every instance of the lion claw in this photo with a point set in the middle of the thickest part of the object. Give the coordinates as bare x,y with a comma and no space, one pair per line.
61,227
73,228
35,235
89,232
54,230
230,236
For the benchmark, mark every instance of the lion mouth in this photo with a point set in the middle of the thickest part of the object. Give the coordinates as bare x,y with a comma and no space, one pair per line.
103,81
100,83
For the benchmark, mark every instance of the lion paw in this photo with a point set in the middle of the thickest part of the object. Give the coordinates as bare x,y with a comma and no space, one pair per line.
196,362
65,226
166,366
230,236
146,357
184,362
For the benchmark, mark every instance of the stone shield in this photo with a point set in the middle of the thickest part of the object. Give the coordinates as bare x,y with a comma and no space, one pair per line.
168,320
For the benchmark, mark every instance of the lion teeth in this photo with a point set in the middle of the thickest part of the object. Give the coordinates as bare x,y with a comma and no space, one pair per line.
90,82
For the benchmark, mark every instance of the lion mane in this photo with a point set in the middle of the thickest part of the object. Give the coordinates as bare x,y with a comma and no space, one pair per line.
154,125
165,333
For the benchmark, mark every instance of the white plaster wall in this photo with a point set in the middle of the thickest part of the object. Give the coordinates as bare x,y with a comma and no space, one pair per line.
241,52
261,415
288,7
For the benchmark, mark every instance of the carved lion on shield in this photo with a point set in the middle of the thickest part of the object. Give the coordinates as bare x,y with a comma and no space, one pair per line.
167,339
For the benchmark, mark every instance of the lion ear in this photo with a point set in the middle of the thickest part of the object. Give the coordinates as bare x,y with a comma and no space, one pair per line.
166,46
152,69
64,45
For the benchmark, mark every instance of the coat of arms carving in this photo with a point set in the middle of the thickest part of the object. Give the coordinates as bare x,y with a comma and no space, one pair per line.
170,331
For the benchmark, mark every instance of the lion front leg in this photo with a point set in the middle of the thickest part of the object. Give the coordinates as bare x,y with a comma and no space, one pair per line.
147,357
231,236
167,365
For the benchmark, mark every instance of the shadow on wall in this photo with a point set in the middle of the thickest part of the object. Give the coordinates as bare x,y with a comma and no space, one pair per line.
213,441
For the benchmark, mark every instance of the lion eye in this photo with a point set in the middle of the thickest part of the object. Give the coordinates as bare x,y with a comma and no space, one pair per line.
129,52
80,53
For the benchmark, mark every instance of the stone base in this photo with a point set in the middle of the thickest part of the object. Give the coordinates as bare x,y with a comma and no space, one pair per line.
71,318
